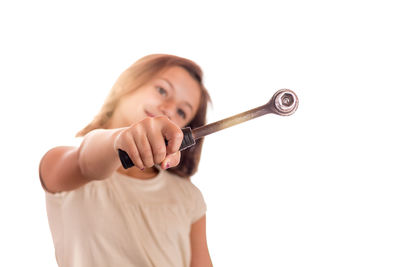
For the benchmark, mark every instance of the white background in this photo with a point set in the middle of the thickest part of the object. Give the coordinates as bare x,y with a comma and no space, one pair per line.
319,188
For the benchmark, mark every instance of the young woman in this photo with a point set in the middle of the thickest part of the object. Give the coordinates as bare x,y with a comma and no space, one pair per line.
101,214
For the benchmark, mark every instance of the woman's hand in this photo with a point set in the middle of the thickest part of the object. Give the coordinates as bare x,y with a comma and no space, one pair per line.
145,142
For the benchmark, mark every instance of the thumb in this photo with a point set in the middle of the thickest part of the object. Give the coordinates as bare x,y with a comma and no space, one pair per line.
171,160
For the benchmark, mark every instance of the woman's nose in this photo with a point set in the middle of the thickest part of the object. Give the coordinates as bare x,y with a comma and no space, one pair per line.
167,109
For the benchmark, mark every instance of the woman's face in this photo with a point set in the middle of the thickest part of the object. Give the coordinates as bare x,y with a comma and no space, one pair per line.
173,93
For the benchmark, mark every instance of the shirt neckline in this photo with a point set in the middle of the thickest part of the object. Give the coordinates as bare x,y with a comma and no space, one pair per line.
151,183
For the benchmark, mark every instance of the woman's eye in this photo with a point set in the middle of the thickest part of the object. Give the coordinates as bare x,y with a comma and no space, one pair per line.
182,113
162,91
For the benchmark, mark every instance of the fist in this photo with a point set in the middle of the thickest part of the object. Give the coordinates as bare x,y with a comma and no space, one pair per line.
145,144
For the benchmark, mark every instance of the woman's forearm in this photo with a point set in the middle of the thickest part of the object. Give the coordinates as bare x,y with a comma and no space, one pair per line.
97,156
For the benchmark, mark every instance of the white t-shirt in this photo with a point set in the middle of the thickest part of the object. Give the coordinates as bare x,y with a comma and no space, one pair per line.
124,221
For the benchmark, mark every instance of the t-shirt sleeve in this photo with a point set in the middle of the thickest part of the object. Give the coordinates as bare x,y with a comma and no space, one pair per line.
199,206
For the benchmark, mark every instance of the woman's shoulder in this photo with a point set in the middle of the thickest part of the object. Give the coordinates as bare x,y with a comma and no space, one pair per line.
184,183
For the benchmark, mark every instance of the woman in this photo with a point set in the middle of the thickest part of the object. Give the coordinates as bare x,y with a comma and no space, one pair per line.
151,214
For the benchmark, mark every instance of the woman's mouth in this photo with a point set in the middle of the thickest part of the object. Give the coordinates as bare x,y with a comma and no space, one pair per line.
149,114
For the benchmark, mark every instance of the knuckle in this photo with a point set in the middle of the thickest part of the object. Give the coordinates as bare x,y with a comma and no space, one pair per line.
178,135
123,142
161,119
123,136
147,122
136,130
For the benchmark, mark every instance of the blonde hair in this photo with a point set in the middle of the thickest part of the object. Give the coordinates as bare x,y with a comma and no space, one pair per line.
137,75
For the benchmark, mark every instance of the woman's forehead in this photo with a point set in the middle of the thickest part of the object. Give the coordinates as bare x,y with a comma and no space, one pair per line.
178,74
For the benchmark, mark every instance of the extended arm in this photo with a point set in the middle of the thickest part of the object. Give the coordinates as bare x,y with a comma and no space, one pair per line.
66,168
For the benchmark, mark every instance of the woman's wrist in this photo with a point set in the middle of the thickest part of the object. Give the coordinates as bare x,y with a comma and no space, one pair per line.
97,157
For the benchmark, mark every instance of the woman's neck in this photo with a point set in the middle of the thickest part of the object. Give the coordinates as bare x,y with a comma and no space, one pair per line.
135,172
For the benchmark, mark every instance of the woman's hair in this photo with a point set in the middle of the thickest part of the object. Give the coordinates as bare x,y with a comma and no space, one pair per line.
137,75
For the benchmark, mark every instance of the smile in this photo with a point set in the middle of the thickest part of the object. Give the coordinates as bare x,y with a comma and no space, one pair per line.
149,114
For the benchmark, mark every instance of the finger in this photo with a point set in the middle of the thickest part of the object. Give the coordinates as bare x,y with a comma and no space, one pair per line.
135,156
174,135
144,148
127,144
171,160
157,144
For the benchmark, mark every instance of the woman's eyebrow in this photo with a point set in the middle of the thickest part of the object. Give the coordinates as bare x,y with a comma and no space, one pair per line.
169,83
173,88
188,104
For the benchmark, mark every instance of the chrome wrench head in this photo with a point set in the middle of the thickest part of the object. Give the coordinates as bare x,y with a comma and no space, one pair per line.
285,102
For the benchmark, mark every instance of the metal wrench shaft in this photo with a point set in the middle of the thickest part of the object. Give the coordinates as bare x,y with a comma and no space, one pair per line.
231,121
